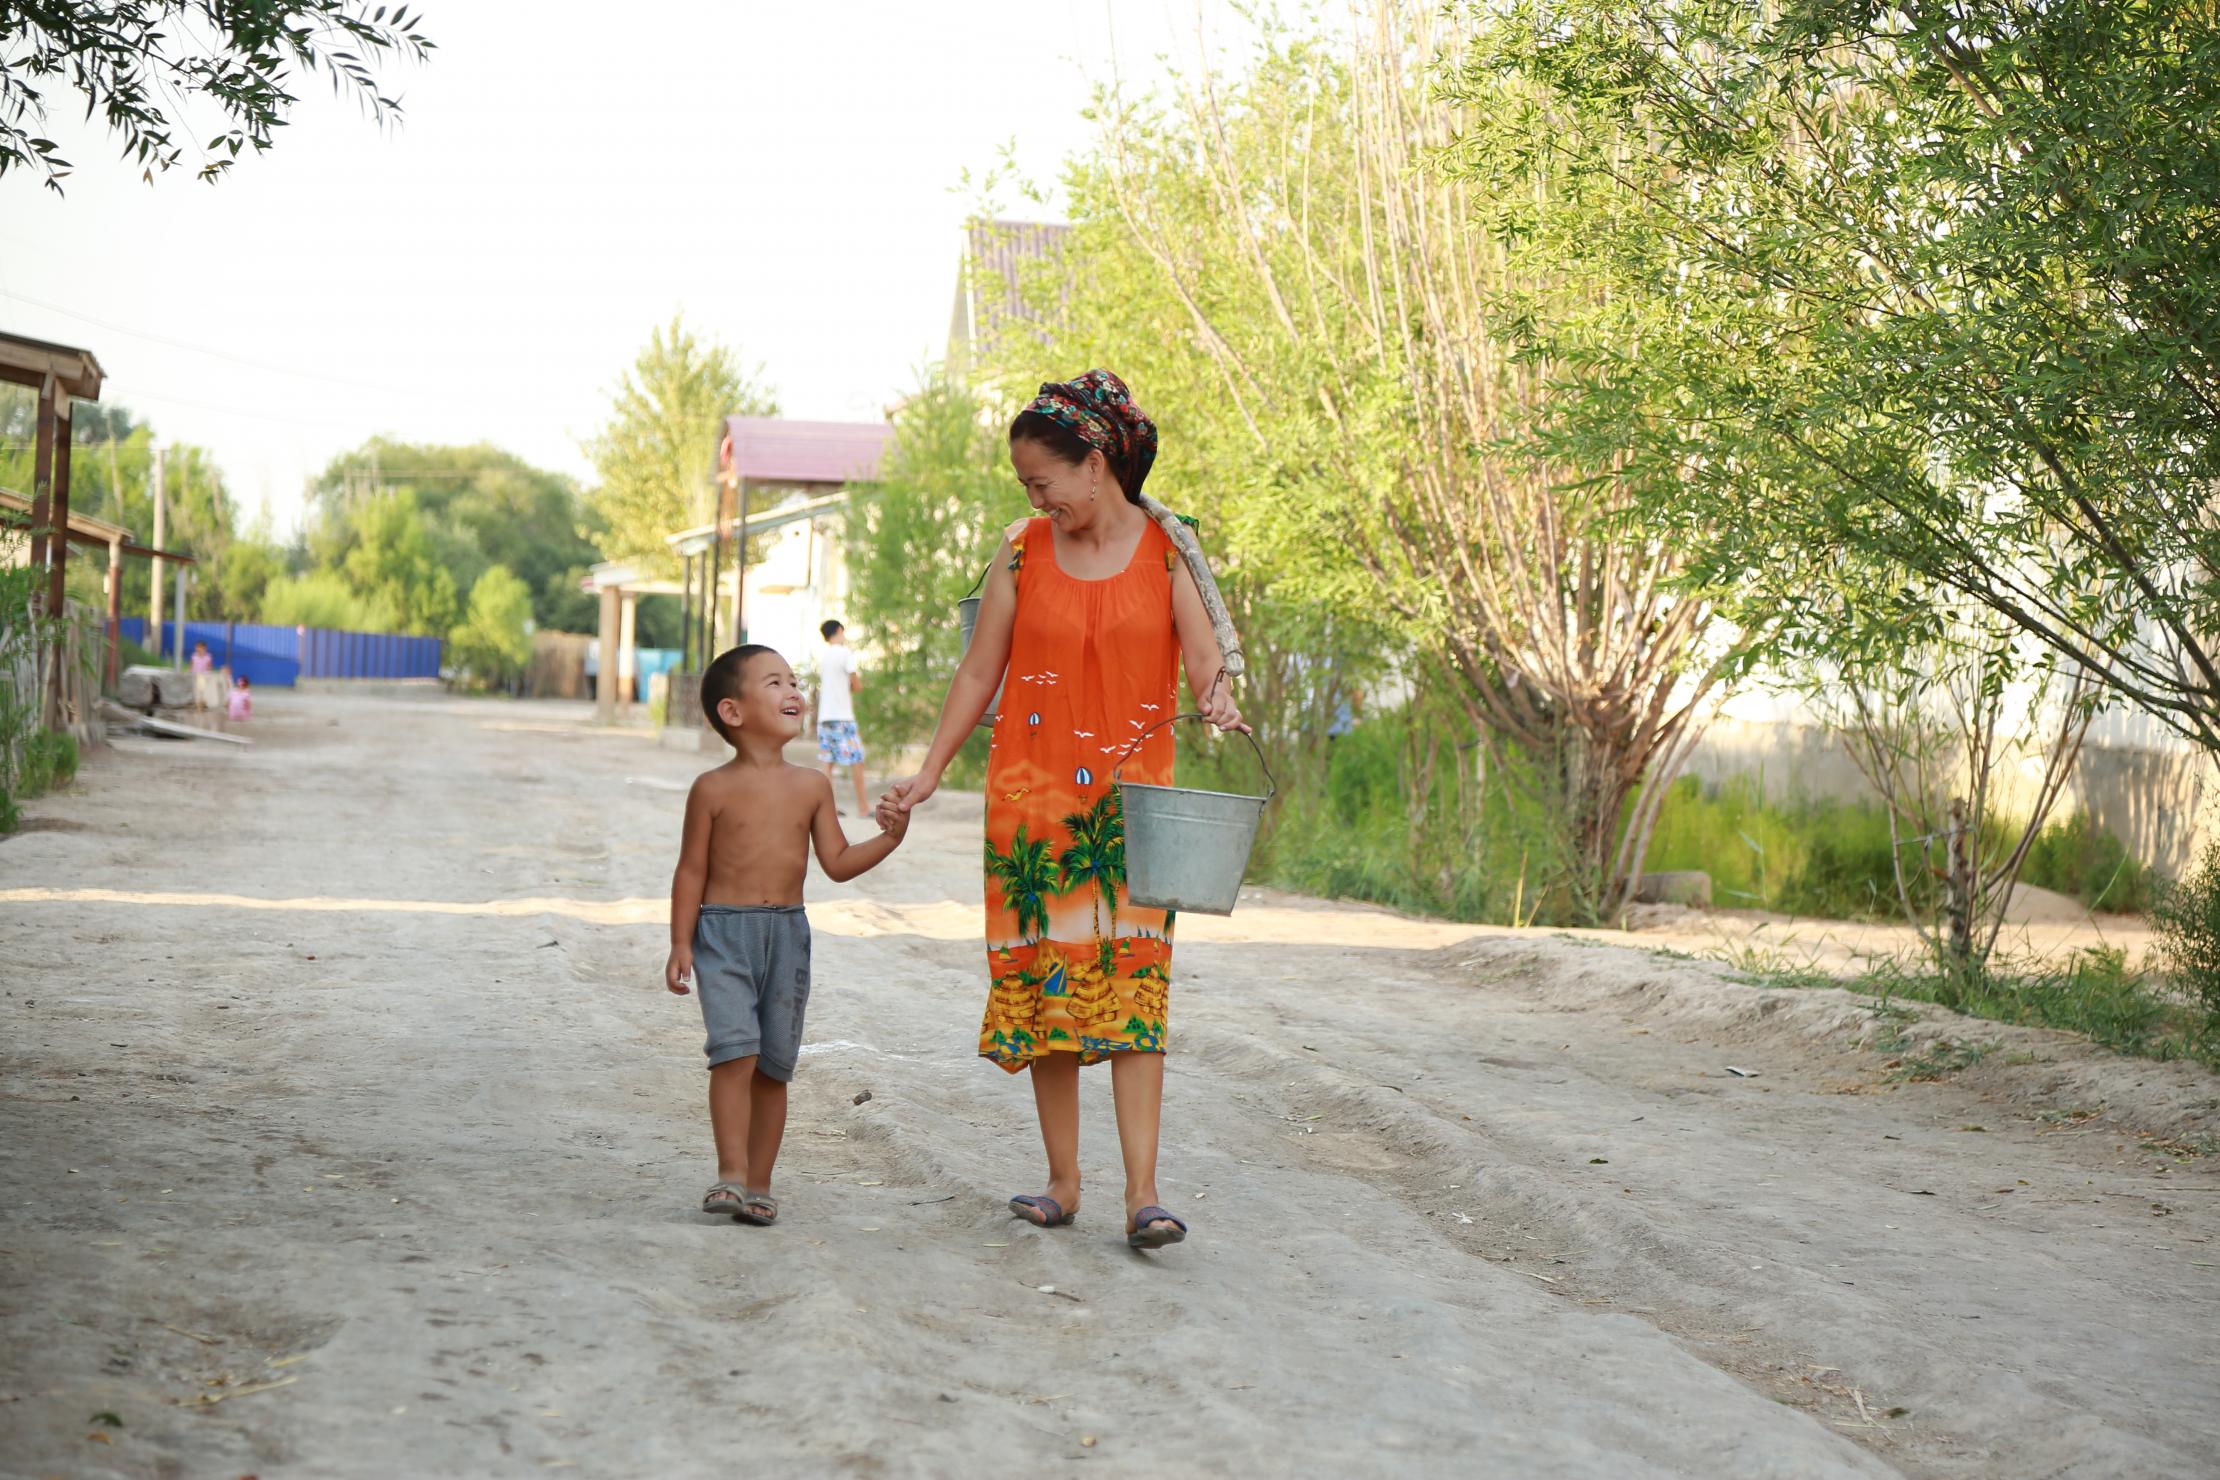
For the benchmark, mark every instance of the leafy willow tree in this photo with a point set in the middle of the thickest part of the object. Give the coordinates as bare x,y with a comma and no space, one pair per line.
394,567
1935,286
141,64
656,455
1368,396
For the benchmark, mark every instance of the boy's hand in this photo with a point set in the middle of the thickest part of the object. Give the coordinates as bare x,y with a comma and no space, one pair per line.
894,822
678,972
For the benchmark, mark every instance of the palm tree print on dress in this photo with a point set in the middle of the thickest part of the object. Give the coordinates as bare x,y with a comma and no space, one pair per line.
1029,880
1096,858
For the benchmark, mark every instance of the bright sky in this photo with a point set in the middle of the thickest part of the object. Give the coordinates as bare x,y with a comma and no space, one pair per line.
783,175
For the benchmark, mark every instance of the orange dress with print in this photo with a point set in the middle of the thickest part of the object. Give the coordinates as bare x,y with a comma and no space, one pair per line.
1075,967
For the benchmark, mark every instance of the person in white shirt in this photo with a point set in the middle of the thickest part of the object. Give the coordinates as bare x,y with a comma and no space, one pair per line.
838,744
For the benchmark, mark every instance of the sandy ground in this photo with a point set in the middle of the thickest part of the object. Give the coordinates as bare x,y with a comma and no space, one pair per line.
345,1130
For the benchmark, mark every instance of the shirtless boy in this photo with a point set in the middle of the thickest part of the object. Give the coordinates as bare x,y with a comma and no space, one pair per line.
738,934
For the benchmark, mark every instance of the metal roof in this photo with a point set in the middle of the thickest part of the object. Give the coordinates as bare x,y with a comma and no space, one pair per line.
86,530
770,449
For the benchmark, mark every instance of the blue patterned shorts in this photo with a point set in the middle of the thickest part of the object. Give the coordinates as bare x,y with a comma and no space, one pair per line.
838,744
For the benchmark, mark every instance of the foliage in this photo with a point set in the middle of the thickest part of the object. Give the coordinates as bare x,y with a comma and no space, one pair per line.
140,62
1833,859
32,758
316,598
2083,861
656,455
479,507
1404,810
917,542
1283,233
395,568
493,643
1931,288
1937,706
2095,993
2187,915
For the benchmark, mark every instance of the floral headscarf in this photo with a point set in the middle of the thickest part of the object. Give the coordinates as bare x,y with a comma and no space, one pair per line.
1100,411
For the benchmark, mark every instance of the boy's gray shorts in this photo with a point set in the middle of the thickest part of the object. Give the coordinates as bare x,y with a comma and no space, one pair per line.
751,971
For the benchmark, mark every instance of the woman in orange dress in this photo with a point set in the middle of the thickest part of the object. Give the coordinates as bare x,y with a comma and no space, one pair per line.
1087,614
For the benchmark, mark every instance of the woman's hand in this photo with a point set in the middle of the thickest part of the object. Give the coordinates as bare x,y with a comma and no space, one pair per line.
1218,708
902,796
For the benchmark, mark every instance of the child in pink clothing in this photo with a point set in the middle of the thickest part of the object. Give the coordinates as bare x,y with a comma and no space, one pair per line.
242,702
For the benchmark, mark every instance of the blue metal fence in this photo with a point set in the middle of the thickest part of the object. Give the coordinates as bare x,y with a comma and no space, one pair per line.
278,657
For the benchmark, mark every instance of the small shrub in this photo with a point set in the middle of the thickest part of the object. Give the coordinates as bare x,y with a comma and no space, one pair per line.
2187,917
50,761
2080,859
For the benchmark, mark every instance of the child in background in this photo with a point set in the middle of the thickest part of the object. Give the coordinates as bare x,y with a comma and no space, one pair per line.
739,937
242,702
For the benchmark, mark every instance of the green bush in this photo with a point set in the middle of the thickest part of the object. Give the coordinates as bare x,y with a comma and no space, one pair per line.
1813,858
2187,916
49,760
2078,858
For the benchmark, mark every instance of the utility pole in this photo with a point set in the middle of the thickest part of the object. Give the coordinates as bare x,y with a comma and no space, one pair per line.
161,529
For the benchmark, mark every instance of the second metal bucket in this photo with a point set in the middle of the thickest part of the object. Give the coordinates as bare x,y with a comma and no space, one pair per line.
967,613
1187,849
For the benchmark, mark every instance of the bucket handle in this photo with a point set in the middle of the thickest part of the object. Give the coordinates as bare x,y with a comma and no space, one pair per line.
1271,783
975,585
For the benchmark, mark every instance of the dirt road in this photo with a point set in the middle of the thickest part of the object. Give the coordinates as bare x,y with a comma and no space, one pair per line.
345,1130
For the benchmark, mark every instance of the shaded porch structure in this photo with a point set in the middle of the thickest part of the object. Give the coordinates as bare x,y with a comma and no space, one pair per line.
771,473
63,375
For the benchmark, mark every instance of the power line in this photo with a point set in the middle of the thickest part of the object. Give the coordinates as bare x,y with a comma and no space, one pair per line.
221,354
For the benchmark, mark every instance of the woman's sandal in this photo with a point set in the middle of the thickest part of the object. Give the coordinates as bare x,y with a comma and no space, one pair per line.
725,1197
1149,1230
761,1209
1041,1212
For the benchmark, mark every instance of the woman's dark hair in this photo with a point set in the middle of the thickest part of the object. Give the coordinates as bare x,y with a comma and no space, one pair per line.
1070,447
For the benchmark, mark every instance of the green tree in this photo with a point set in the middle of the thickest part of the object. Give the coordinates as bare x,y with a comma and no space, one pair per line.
656,455
140,63
493,642
1029,879
315,598
244,574
480,506
394,569
916,542
1934,286
1364,401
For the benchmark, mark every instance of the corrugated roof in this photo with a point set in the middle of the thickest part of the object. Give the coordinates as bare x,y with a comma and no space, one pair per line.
771,449
990,287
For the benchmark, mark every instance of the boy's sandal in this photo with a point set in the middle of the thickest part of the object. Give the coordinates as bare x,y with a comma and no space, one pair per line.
1153,1228
725,1197
762,1210
1041,1212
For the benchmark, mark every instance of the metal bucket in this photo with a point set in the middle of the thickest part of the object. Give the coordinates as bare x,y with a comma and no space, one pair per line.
1188,849
967,612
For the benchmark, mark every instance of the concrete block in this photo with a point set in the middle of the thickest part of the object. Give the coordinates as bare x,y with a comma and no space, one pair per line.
144,686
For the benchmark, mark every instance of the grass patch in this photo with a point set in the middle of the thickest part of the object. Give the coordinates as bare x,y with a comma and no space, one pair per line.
1831,858
1938,1060
49,760
2094,994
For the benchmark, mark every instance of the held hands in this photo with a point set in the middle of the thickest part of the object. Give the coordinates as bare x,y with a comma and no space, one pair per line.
893,811
678,972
